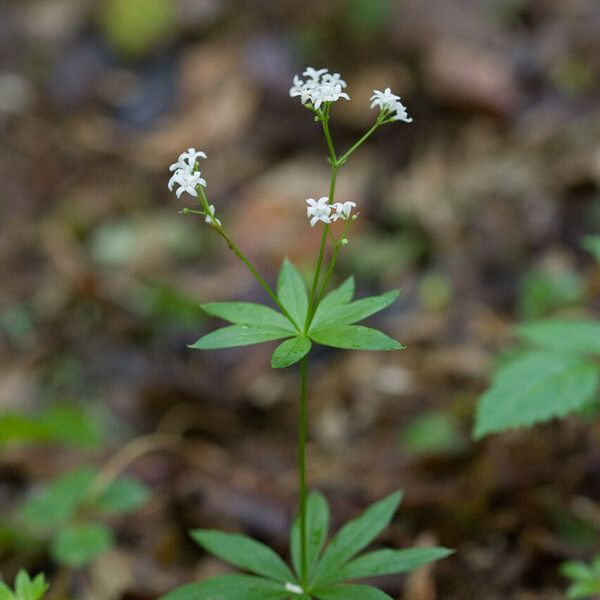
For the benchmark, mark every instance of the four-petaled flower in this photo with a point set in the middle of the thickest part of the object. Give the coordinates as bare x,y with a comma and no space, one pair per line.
319,87
342,210
390,103
318,210
187,181
187,160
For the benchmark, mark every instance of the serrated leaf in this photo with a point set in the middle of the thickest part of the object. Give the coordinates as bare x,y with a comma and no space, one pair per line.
390,562
59,501
592,244
291,292
346,314
355,337
317,526
229,587
332,301
353,537
566,336
239,335
350,592
78,545
124,494
290,352
535,387
248,313
244,552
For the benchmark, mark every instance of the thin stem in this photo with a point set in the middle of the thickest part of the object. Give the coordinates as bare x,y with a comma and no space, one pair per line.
236,250
363,139
302,471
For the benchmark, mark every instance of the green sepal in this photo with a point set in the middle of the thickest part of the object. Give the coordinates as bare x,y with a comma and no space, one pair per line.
535,387
354,337
239,335
290,352
230,587
248,313
244,552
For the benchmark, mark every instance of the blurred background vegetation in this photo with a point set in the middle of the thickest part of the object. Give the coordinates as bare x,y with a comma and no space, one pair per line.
476,210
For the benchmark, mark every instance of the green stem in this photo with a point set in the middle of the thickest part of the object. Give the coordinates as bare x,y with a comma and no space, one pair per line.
236,250
363,139
302,471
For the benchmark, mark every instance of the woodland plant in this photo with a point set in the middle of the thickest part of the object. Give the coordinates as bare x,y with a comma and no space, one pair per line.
25,587
302,318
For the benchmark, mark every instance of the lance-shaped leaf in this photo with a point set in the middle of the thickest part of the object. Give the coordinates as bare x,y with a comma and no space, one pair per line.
582,337
353,537
535,387
230,587
359,309
291,292
290,352
350,592
244,552
390,562
354,337
317,525
239,335
248,313
332,302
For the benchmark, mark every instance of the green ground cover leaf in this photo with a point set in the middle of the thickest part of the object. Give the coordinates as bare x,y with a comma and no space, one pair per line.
353,537
248,313
389,562
357,310
124,494
239,335
245,553
332,302
354,337
317,526
230,587
290,352
78,545
350,592
291,292
535,387
567,336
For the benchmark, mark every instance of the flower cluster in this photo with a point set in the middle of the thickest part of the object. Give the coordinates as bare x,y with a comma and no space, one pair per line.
390,103
319,86
321,210
185,174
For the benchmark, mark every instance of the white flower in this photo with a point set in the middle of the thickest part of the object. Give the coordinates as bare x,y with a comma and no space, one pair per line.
210,217
187,160
294,589
187,182
401,114
390,103
319,210
320,86
384,99
342,210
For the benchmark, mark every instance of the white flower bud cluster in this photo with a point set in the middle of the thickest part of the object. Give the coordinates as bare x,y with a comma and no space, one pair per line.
321,210
319,86
185,174
390,103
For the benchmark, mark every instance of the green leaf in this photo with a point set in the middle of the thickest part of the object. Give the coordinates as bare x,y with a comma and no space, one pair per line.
355,337
357,310
290,352
229,587
317,526
59,501
535,387
389,562
592,244
332,302
248,313
291,292
78,545
25,588
355,536
576,570
350,592
566,336
124,494
239,335
6,592
584,589
244,552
